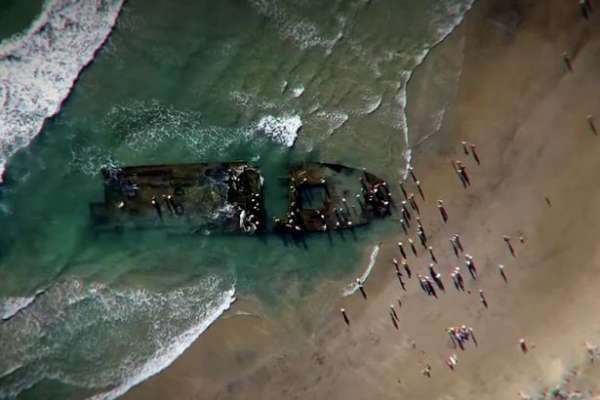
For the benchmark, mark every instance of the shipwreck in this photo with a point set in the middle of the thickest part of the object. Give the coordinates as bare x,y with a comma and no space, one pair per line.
228,198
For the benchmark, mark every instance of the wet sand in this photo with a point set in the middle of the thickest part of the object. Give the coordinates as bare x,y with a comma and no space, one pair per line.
526,113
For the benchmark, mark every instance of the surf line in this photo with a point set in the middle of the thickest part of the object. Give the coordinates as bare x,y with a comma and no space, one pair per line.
353,287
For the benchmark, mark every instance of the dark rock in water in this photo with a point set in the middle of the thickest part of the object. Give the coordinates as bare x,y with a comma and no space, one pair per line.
228,198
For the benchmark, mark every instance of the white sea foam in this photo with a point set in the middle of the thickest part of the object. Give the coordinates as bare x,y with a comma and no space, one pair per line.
167,355
297,91
282,129
373,104
333,120
39,68
353,287
12,305
304,33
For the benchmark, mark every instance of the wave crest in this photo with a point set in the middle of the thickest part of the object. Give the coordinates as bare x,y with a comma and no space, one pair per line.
39,68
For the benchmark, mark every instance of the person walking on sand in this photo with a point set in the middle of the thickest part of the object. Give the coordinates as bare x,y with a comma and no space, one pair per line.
423,284
422,238
393,312
457,241
413,203
442,210
465,148
454,248
567,61
472,335
452,361
412,247
411,171
403,190
502,274
346,320
432,255
430,286
474,152
405,213
452,336
399,275
455,280
419,224
510,246
420,189
427,371
401,247
459,279
523,345
483,299
404,226
462,170
592,124
360,286
471,266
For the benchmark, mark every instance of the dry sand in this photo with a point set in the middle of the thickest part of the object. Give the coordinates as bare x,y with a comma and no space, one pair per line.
527,114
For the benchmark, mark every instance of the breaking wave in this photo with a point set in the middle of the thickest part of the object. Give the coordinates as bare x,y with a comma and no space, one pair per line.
104,339
283,129
353,287
39,68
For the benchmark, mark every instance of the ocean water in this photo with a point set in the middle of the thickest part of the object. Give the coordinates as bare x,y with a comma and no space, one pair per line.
88,314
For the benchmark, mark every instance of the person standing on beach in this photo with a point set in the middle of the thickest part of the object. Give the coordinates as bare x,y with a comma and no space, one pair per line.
432,255
346,320
413,203
404,226
502,274
422,238
567,61
157,207
483,299
471,266
456,238
406,268
474,152
586,8
462,170
442,210
510,246
420,189
401,247
592,124
412,247
454,248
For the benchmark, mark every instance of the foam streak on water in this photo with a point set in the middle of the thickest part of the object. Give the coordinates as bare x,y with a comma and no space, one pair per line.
455,13
39,68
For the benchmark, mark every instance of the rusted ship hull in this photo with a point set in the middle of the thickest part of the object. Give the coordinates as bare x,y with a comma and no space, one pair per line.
228,198
348,198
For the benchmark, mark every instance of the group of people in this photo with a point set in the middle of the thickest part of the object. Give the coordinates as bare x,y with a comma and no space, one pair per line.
432,282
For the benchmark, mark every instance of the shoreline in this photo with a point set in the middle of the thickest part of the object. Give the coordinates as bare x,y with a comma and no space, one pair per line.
506,102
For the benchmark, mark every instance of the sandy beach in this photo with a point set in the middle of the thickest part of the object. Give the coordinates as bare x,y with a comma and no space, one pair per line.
527,113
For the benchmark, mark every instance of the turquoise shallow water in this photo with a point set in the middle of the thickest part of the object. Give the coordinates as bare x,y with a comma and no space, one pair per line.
191,81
